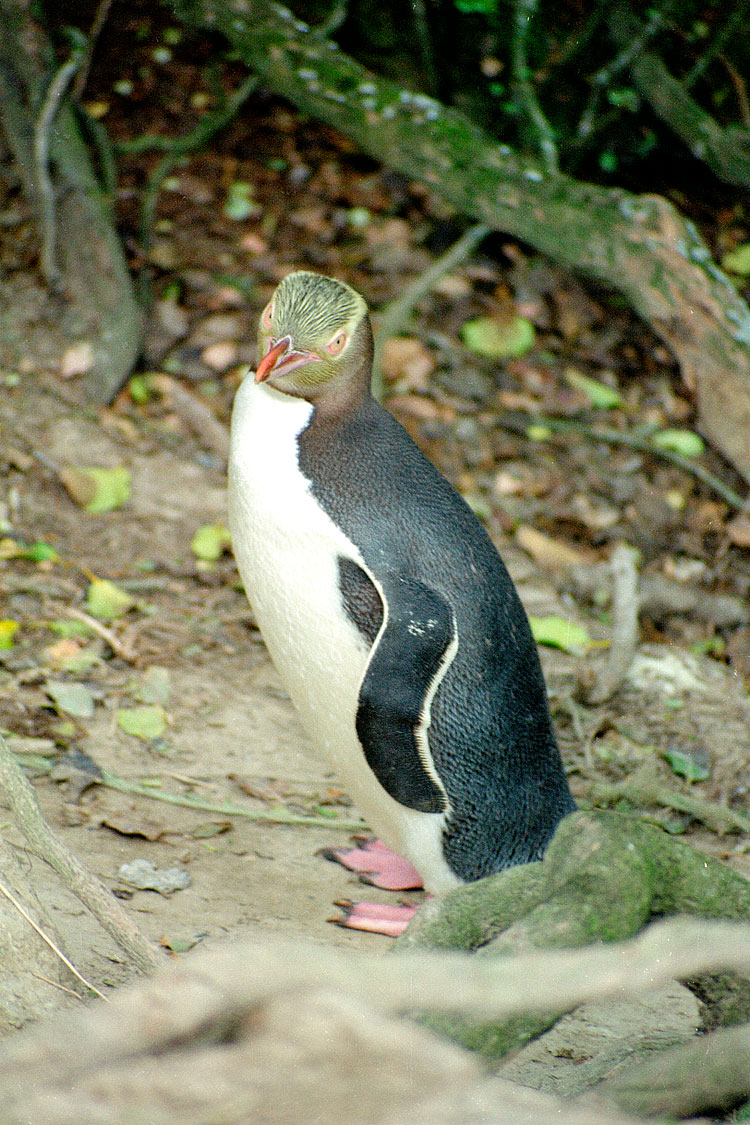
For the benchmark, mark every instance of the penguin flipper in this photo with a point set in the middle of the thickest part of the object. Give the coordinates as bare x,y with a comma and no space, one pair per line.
413,650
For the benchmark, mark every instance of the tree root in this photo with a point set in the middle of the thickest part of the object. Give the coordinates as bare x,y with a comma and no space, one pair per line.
602,879
75,876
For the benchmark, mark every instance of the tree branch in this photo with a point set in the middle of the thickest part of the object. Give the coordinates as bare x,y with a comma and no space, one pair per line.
639,244
726,151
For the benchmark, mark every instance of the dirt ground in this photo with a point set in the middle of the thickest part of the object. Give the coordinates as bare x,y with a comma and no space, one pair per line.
232,734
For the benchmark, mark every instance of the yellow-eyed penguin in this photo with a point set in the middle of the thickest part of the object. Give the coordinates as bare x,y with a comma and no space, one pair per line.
386,609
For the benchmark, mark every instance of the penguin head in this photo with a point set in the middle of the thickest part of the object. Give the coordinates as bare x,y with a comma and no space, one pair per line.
315,339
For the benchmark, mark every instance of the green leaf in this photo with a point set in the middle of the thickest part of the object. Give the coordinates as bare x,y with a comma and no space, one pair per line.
497,339
69,627
139,389
41,552
558,632
599,394
74,699
738,260
97,490
106,600
685,442
8,630
155,686
147,722
210,828
693,767
239,204
179,945
210,542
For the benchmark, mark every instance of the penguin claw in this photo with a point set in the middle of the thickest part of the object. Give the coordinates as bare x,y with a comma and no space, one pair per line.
376,865
374,917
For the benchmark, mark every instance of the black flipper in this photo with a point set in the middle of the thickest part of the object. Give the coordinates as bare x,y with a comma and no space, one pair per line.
407,659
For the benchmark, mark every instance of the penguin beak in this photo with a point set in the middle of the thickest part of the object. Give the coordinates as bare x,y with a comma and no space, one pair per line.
281,358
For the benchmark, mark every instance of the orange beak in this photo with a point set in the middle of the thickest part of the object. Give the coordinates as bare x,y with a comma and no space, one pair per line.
282,358
270,359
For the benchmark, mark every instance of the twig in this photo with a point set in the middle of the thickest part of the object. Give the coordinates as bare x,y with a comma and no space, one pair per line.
61,987
48,940
333,20
625,628
186,144
523,15
45,187
633,441
392,316
643,788
97,26
422,28
605,74
123,651
226,808
740,90
724,35
82,883
211,432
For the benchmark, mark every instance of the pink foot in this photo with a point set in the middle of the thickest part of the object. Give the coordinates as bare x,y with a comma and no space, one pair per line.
374,917
377,865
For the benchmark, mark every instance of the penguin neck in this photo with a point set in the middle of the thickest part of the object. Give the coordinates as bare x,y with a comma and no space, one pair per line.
344,397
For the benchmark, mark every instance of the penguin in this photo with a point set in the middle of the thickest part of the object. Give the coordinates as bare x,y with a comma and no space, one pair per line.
386,609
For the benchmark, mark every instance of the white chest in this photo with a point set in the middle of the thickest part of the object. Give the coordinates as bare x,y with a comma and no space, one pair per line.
287,551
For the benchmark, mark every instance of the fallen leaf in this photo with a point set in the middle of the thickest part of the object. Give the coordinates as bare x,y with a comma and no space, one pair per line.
146,722
548,552
499,339
210,541
239,204
125,825
77,360
738,531
685,442
105,600
599,394
558,632
179,945
406,358
155,686
71,698
41,552
693,766
68,661
220,356
37,747
8,630
738,260
210,828
97,490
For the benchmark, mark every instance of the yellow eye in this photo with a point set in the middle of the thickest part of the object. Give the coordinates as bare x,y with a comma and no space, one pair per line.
267,316
337,344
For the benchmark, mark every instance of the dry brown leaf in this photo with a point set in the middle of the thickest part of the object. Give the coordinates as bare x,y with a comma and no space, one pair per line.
738,531
549,552
220,356
77,360
414,406
79,483
131,825
407,358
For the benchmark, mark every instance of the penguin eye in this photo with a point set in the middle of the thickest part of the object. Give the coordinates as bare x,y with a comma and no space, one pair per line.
337,344
266,316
